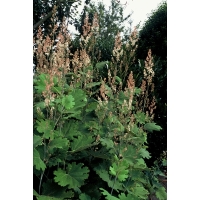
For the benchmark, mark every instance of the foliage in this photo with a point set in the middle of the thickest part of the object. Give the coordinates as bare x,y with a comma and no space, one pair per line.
90,132
44,11
110,22
153,35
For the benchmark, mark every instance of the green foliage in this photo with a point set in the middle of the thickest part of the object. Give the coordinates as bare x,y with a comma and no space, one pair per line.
43,10
120,170
68,102
82,142
70,143
75,176
152,127
153,35
45,127
39,164
89,135
84,196
53,190
111,21
161,194
108,195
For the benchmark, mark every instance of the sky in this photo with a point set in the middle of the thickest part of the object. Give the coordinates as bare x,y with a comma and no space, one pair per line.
140,9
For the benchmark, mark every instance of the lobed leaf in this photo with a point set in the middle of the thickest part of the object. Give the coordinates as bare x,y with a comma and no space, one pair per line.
82,142
39,164
104,175
37,140
107,142
152,127
108,195
161,193
68,102
139,191
120,170
45,127
144,153
75,176
59,143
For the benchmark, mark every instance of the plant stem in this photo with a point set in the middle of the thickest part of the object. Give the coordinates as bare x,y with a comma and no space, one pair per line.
113,185
41,181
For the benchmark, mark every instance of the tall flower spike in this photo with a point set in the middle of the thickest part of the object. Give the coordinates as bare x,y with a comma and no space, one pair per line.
148,69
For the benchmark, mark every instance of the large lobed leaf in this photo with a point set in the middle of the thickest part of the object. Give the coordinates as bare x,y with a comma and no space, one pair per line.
104,175
68,102
140,191
58,143
45,127
75,176
120,170
39,164
82,142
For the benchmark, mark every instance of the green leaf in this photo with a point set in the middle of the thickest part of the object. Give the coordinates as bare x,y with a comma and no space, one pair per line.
40,105
68,102
80,98
84,196
91,106
35,193
37,140
101,65
108,195
57,89
112,171
82,142
44,126
120,170
107,142
70,128
75,176
144,153
39,164
41,83
102,171
93,84
130,154
135,129
140,163
152,127
137,90
58,143
161,193
43,197
103,153
140,117
164,162
139,191
118,79
122,97
122,196
52,189
138,175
